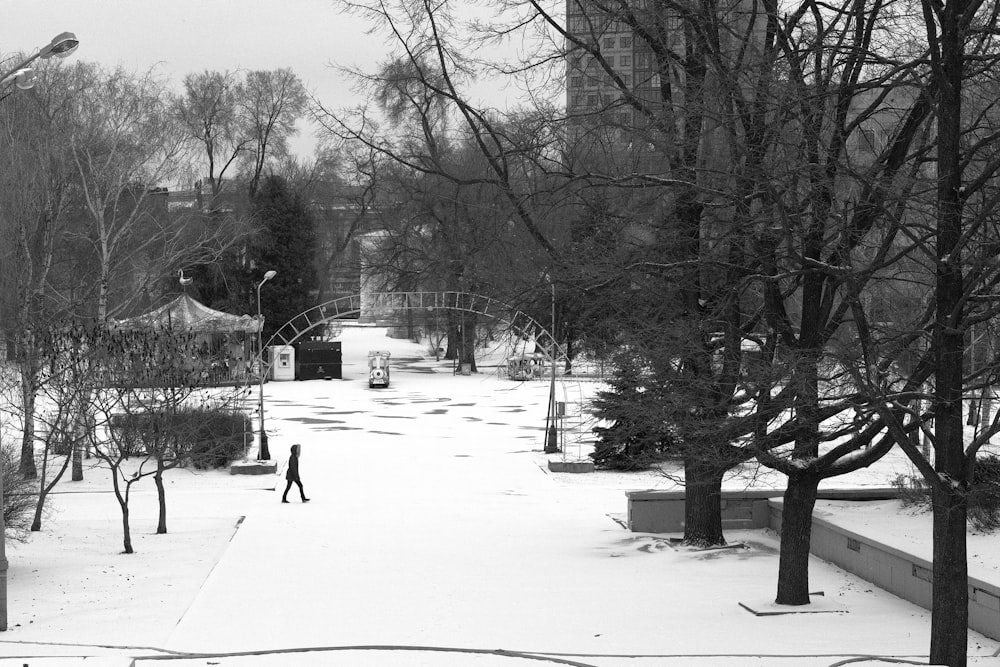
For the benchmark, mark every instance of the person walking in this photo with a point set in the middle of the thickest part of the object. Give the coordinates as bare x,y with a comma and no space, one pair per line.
292,475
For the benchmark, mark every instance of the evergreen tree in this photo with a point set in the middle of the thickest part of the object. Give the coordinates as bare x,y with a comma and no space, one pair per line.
637,435
286,243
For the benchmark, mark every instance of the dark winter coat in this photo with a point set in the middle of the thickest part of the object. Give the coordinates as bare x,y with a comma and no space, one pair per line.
292,474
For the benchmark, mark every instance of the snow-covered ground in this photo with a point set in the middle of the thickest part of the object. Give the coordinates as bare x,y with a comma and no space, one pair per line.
435,536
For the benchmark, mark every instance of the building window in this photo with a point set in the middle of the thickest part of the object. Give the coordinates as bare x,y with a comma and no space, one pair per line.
625,61
625,42
609,42
627,78
642,60
866,140
575,81
592,101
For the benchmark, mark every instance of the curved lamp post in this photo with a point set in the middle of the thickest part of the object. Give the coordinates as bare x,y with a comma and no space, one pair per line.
23,77
263,454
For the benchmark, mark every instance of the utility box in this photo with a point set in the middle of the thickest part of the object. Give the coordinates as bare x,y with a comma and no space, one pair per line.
283,362
319,360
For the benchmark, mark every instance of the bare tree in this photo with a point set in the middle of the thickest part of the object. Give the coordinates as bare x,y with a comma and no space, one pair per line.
34,216
125,144
270,102
156,410
208,111
69,383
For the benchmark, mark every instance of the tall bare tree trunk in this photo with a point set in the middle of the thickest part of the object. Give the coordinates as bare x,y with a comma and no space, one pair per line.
950,609
27,465
703,502
796,533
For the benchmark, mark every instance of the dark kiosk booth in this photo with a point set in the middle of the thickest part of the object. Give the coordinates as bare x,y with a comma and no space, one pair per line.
318,360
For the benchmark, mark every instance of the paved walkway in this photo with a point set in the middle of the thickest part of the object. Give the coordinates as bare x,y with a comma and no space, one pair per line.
424,533
434,537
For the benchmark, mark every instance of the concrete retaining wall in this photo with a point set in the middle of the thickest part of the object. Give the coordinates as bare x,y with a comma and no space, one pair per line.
895,571
663,511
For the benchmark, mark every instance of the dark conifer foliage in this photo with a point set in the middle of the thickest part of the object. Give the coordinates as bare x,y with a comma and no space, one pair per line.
286,243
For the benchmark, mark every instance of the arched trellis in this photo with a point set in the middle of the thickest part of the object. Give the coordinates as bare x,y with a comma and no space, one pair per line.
348,306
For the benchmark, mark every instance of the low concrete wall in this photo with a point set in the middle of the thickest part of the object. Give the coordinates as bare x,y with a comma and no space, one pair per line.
663,511
895,571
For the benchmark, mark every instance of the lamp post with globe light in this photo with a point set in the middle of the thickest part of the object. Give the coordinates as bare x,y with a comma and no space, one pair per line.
23,77
263,454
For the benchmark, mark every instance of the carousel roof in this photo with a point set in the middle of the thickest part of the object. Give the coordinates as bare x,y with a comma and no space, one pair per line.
189,313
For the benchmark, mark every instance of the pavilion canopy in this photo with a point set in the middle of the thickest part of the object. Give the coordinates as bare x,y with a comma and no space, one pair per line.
188,313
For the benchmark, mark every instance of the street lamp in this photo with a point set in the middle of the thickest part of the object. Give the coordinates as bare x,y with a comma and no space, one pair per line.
263,454
23,77
551,433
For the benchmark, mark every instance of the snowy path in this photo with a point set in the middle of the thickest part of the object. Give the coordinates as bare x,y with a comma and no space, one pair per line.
432,524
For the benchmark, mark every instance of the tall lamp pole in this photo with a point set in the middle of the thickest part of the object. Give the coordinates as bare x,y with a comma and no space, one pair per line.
551,433
263,454
23,77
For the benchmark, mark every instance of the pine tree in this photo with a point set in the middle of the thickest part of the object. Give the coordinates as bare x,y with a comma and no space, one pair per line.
286,244
638,435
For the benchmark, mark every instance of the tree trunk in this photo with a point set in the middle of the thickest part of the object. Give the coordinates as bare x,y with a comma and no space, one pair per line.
126,532
27,464
123,504
43,494
468,342
77,474
796,531
36,522
161,496
703,504
451,349
81,438
950,611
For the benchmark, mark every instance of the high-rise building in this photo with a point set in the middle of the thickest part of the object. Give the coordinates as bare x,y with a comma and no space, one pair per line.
594,87
642,41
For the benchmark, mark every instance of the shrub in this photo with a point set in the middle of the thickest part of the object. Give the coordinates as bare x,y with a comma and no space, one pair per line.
984,497
208,437
219,437
132,430
20,495
913,491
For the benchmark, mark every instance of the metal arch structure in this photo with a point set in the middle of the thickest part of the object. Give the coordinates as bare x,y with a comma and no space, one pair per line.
344,307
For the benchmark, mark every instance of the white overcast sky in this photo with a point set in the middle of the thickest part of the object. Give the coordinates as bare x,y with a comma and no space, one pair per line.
183,36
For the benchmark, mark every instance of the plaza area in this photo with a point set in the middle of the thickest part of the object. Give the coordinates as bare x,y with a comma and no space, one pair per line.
435,535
